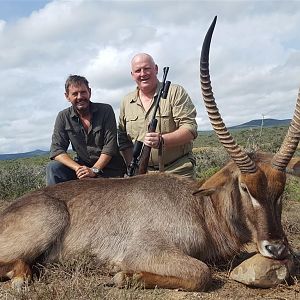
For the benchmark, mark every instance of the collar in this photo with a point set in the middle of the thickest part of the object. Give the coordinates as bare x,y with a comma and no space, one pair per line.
135,97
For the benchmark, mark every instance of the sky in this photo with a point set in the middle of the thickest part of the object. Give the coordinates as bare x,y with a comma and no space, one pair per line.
254,58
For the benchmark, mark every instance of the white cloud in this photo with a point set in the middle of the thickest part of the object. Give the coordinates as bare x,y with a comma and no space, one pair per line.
254,58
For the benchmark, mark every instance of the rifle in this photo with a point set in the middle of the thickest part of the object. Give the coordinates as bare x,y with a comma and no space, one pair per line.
145,152
135,158
141,152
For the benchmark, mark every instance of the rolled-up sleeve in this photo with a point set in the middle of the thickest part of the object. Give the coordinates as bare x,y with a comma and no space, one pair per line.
60,139
124,141
184,111
110,136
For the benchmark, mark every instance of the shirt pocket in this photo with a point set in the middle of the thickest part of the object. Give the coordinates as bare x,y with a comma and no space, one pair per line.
74,133
76,137
98,136
165,120
135,126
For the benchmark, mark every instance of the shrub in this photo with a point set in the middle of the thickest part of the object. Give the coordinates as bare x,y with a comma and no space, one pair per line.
209,160
20,176
292,189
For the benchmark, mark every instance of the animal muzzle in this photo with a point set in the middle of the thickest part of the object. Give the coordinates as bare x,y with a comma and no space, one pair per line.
275,249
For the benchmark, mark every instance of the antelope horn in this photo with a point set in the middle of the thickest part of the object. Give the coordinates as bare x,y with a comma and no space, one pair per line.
290,143
242,160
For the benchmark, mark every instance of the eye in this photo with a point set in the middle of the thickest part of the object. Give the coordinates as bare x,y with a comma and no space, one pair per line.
244,187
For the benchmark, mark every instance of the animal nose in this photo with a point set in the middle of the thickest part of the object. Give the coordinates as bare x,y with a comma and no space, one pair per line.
277,250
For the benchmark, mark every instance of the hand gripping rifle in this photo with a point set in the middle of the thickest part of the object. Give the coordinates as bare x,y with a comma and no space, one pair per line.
141,152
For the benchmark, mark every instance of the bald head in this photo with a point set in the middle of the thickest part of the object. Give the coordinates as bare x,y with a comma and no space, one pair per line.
142,57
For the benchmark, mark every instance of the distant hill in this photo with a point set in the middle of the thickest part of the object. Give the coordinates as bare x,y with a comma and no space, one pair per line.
23,155
258,123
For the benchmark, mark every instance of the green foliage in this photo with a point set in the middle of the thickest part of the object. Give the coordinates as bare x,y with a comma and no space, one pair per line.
21,175
268,139
209,160
292,189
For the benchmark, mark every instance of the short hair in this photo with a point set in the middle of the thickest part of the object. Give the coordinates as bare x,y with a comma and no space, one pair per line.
75,80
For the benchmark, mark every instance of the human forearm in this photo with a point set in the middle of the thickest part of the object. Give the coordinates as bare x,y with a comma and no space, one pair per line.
102,161
66,160
178,137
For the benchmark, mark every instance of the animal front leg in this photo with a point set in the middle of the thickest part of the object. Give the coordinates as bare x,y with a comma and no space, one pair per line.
171,271
18,271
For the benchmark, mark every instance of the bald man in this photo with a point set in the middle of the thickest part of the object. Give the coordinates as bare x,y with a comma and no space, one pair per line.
176,129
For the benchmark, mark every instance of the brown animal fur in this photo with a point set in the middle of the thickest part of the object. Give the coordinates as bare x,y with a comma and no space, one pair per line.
151,227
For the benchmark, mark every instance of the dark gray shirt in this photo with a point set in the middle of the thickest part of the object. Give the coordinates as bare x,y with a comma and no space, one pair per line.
100,138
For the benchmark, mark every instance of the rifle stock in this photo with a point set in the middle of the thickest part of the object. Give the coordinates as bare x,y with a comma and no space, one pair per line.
146,150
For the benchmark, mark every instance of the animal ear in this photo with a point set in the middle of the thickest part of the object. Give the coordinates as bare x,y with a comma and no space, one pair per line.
204,192
293,166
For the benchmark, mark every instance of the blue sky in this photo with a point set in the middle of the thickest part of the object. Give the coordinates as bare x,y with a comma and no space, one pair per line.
12,10
255,57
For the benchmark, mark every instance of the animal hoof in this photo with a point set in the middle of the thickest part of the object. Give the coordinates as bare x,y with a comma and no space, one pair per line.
18,283
120,280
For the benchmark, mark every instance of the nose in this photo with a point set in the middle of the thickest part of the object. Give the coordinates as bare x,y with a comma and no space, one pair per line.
277,250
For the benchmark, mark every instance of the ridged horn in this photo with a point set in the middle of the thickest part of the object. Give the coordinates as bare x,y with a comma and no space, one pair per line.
290,143
240,157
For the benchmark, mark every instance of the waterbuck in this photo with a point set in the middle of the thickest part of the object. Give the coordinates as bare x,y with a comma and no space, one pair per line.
159,229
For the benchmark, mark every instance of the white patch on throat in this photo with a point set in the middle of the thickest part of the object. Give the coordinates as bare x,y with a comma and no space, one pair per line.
255,203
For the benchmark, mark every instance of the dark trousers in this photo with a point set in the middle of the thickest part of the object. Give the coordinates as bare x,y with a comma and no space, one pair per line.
56,172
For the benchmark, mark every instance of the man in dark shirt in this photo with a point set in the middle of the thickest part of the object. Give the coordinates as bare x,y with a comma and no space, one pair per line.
91,130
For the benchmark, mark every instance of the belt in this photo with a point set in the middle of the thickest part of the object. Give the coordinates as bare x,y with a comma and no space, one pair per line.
168,164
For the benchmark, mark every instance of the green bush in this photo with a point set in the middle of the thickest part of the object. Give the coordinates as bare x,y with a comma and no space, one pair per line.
209,161
292,189
20,176
23,175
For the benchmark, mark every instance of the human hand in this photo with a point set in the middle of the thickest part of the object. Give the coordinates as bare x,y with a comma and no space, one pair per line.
84,172
153,139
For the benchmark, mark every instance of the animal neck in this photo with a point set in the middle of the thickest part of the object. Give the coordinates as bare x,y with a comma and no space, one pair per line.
227,226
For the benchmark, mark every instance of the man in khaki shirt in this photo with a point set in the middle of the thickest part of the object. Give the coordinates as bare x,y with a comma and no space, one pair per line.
176,127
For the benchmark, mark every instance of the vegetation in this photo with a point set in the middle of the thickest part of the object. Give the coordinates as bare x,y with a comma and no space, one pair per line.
27,174
21,175
82,278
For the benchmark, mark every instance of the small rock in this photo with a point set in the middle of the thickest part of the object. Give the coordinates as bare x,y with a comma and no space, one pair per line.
263,272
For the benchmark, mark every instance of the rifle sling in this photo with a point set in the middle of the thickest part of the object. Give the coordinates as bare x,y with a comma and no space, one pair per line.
161,166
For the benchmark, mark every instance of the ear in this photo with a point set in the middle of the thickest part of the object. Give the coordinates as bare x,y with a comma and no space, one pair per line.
67,97
293,166
204,192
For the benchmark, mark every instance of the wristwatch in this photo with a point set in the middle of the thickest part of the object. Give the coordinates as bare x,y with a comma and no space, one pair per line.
97,171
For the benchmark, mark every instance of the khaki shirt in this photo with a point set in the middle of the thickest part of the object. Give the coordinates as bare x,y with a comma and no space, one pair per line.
174,112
